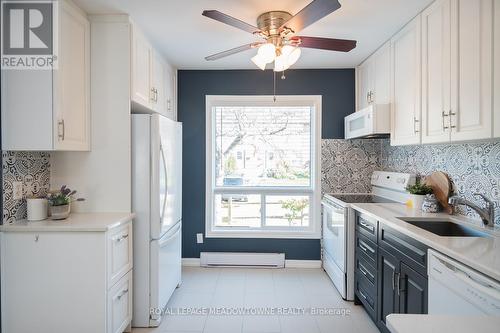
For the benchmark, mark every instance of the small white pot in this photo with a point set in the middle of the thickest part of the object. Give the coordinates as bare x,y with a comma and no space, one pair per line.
37,209
416,201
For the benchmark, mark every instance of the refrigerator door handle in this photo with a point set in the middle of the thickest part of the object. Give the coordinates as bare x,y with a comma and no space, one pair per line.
166,184
174,233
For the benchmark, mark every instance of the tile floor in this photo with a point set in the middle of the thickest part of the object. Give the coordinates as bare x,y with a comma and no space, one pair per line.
261,289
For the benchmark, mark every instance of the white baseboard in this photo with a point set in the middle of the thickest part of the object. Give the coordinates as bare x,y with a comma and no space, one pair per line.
191,262
302,263
195,262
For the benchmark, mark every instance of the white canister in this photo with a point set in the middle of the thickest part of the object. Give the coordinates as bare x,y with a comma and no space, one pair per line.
37,209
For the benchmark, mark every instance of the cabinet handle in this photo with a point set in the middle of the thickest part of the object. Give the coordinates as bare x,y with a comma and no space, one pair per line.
362,295
367,226
444,115
398,278
452,114
363,246
393,280
120,239
415,125
125,291
368,97
61,130
169,105
154,95
371,97
365,271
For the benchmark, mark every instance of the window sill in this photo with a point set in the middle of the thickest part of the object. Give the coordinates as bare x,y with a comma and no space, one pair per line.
263,234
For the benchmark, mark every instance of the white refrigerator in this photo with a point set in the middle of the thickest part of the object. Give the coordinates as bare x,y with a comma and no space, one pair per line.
157,202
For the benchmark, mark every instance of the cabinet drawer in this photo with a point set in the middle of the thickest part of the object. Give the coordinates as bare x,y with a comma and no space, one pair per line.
366,249
367,226
366,295
363,268
119,253
404,247
120,304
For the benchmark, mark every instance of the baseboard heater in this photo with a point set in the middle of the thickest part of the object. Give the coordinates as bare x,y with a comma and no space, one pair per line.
242,259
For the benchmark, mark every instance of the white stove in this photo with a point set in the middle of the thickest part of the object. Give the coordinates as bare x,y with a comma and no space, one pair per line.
339,224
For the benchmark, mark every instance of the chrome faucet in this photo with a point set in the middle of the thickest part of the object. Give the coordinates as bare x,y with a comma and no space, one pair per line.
486,213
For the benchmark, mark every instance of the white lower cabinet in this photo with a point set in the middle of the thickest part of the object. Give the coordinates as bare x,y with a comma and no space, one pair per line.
405,84
67,281
120,304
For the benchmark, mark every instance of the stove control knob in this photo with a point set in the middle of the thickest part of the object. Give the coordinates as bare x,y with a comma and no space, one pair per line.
401,181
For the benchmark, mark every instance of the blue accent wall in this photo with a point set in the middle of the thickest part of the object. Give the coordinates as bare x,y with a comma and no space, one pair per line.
337,87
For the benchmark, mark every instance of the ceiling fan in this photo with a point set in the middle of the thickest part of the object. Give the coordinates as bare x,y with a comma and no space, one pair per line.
281,45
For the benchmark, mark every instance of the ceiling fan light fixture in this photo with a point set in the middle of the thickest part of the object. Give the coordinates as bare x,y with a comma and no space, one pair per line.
259,62
267,52
294,56
281,63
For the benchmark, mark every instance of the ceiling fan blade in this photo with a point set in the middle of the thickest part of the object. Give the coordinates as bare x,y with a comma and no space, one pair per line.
311,13
229,20
341,45
232,51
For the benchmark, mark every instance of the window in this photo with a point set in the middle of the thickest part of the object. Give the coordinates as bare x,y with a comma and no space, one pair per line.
263,166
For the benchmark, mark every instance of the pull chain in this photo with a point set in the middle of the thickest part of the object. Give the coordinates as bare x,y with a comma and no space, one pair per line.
274,86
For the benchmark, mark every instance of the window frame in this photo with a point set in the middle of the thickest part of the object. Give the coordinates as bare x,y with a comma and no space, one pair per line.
313,231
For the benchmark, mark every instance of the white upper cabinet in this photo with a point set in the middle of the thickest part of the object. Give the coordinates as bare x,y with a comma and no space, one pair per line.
72,82
50,109
365,83
472,35
406,84
374,78
159,74
496,67
142,63
382,71
152,87
436,72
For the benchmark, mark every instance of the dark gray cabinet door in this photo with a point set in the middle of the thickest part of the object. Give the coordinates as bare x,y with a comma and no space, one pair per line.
413,291
388,298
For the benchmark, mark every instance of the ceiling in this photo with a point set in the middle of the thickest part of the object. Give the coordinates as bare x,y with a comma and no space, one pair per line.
179,31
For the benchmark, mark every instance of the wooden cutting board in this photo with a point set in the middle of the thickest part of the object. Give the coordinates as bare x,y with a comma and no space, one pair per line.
442,187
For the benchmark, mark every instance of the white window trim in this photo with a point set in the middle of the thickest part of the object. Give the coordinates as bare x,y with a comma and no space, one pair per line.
312,232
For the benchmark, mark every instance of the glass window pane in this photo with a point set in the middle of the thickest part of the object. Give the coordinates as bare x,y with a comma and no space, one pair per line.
286,211
263,146
237,210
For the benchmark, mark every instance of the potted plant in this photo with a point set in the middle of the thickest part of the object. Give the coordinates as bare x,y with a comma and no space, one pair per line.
60,202
418,191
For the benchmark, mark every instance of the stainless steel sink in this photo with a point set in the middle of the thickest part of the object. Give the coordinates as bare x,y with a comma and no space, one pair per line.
445,228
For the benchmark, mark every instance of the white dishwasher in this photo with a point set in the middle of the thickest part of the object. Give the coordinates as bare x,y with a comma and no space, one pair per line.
455,289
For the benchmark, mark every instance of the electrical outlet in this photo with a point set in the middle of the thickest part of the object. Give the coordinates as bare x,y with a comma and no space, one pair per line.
199,238
17,189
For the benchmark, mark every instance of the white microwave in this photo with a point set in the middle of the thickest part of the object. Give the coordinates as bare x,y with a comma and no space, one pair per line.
373,121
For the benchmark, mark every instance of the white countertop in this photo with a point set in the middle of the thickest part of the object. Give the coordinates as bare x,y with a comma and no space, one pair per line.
412,323
79,222
480,253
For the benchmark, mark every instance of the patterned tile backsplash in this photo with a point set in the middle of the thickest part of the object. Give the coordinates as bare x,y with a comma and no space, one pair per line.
472,167
30,168
347,165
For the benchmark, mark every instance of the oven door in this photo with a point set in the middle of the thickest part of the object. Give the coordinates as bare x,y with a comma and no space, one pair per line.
335,232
